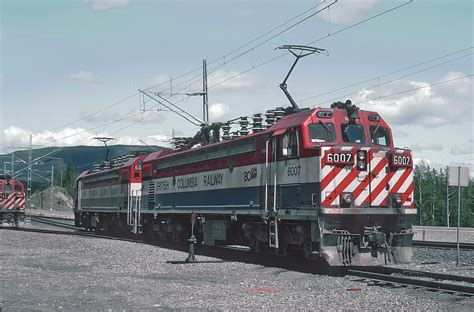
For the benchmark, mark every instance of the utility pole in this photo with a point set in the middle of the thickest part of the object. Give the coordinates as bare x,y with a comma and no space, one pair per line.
433,198
28,184
204,94
205,102
421,203
12,167
447,200
51,195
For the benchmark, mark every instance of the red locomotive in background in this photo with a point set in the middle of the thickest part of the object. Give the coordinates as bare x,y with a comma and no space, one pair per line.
12,201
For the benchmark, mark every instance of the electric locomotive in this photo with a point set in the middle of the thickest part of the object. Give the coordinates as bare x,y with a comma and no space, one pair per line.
325,183
12,201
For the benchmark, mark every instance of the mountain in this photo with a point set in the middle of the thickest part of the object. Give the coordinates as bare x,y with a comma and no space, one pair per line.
81,157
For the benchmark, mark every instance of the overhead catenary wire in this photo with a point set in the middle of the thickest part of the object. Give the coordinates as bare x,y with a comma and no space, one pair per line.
387,74
413,89
217,59
401,77
244,45
277,57
312,42
177,111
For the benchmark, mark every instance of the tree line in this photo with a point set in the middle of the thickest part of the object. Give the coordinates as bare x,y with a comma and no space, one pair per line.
437,202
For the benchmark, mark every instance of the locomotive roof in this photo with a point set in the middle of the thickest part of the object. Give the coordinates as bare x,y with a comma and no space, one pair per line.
127,163
289,121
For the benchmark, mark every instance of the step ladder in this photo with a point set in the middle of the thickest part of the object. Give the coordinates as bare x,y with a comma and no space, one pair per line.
273,233
134,211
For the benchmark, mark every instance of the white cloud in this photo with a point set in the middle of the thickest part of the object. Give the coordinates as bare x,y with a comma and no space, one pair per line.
427,147
432,106
233,81
72,137
218,111
158,139
464,149
347,12
84,77
420,160
102,5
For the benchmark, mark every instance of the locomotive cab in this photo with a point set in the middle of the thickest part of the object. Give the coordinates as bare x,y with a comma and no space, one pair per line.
12,201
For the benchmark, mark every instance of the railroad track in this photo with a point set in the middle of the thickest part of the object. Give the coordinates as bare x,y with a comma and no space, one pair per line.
394,277
380,276
67,229
64,223
447,245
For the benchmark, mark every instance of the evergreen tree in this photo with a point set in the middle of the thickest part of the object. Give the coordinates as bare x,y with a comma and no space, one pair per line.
69,180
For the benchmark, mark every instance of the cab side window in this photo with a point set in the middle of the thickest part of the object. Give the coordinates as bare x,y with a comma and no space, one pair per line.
287,145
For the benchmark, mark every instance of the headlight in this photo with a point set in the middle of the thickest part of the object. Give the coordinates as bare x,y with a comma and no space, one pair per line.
360,155
347,198
361,165
398,199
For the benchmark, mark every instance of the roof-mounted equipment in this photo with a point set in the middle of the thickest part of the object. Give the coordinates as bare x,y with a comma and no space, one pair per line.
352,110
298,51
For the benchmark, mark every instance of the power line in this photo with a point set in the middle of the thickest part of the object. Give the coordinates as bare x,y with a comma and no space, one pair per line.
97,112
398,78
262,63
247,44
312,42
362,21
414,89
385,75
280,56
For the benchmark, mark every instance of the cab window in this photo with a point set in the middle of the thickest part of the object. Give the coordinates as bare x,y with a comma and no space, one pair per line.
353,133
7,187
287,145
321,132
18,188
380,135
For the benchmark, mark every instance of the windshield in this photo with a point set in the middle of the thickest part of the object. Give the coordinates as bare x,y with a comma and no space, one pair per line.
353,133
321,132
380,135
7,188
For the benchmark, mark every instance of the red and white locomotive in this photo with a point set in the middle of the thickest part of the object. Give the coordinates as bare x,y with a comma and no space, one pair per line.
323,182
12,201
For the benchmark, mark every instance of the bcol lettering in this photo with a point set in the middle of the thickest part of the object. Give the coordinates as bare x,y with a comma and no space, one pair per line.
250,175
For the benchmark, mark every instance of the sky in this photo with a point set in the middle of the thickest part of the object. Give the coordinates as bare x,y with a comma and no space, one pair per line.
71,70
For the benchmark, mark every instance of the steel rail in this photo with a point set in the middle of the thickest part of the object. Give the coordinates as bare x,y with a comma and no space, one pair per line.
442,244
386,275
54,221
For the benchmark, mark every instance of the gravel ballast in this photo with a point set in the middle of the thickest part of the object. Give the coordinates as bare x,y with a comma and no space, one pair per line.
45,272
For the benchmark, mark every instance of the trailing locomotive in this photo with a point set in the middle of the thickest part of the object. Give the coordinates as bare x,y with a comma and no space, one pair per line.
12,201
322,182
